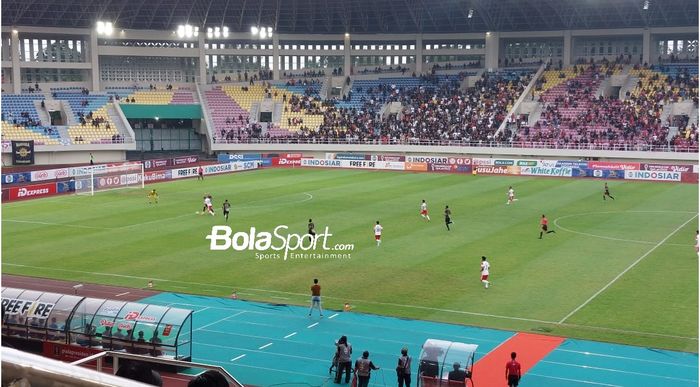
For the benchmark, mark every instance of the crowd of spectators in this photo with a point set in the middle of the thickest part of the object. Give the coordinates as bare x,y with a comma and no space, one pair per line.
379,70
24,119
244,76
574,115
438,112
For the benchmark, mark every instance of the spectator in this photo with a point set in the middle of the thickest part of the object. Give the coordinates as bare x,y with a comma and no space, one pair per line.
209,378
139,372
457,373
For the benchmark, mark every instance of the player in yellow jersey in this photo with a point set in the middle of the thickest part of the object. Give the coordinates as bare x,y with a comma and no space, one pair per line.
153,197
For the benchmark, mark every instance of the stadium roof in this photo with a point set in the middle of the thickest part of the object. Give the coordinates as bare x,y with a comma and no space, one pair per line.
355,16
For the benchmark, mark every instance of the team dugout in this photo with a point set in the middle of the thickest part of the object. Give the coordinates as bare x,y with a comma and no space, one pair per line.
31,317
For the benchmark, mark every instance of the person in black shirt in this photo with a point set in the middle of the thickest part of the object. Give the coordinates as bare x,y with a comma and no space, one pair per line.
448,218
456,373
312,230
227,208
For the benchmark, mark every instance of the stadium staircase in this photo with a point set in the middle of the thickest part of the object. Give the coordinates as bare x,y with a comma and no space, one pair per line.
325,87
42,113
520,108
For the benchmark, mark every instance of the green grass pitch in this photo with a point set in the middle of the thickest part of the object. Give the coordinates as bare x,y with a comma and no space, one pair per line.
420,271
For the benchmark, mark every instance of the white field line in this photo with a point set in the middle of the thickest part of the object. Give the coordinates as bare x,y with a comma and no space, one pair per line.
636,359
312,325
219,320
238,357
333,316
616,370
556,223
121,294
632,265
265,346
57,224
290,335
573,380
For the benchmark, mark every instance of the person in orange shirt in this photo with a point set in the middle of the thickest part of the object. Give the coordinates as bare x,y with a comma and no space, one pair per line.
316,298
543,225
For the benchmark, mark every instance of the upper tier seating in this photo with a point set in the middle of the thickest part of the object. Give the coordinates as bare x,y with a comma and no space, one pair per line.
573,115
95,125
20,120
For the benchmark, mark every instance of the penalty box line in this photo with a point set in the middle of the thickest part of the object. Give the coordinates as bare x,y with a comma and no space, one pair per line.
630,267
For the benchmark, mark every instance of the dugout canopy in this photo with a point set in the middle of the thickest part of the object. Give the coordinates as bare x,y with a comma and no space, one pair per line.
97,323
439,357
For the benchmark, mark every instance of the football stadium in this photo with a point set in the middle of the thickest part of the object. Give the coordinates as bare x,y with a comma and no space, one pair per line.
349,192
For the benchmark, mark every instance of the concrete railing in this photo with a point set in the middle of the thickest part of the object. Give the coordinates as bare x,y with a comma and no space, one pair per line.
208,126
116,356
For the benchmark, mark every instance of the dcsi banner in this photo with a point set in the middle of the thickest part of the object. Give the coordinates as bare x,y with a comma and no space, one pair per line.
226,158
653,175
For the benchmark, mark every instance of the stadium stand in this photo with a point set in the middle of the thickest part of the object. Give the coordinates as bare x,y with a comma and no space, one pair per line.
20,120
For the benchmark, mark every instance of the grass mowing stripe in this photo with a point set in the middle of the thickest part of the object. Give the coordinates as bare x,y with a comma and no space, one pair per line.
625,271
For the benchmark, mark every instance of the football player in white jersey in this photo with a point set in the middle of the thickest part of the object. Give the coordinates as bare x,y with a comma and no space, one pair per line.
485,266
511,195
378,233
424,210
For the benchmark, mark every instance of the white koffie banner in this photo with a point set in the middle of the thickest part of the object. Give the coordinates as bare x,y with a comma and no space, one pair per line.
547,171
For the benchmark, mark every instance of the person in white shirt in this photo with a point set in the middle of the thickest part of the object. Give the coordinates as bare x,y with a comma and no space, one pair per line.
511,195
424,210
378,233
208,205
485,272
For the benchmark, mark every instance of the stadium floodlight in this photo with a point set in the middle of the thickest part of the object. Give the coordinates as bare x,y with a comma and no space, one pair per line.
14,31
347,34
225,32
646,5
217,32
470,14
254,30
181,31
196,31
263,33
188,31
210,33
104,28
